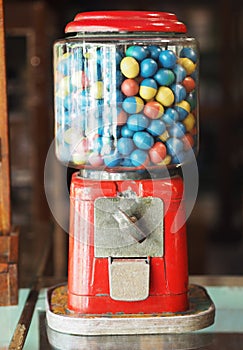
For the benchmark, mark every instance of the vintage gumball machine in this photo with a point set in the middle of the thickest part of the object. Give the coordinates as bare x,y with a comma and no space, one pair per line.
126,117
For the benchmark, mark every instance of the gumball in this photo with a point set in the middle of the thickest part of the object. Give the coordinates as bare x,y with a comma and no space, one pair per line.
63,65
121,117
112,160
188,64
179,72
183,108
64,87
167,58
80,80
165,136
119,78
126,132
165,96
143,140
97,144
129,67
130,87
126,162
179,92
154,51
119,97
157,152
177,130
174,146
153,110
189,122
170,116
63,153
95,159
156,127
189,53
119,57
137,122
188,141
189,84
178,158
166,160
139,157
79,158
148,89
192,99
125,146
72,136
96,90
133,104
164,76
148,67
137,52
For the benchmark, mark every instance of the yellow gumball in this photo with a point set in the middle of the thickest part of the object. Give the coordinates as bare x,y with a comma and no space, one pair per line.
165,96
189,122
97,90
129,67
166,160
187,64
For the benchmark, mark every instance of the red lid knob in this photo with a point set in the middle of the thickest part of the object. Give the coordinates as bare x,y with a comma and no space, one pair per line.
128,21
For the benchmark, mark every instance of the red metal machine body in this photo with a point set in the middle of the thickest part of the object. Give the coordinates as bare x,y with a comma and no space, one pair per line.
89,282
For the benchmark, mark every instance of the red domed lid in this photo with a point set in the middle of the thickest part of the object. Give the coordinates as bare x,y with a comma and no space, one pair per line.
128,21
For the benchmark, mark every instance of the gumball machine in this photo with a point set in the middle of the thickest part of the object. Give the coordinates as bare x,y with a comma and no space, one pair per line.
126,118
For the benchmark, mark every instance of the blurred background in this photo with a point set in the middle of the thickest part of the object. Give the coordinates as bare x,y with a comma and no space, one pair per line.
215,226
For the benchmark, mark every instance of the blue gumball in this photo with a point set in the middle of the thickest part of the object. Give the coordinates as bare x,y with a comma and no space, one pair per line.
119,57
119,78
174,146
190,53
148,67
164,76
126,132
138,157
167,59
154,51
126,162
156,127
143,140
177,130
179,92
192,99
137,122
132,104
179,158
125,146
179,72
112,160
170,116
137,52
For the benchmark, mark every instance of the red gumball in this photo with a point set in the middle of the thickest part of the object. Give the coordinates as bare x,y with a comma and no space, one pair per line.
188,141
189,84
121,117
153,110
129,87
157,153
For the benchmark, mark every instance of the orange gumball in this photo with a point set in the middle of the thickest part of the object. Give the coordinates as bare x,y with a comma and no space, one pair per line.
129,87
121,118
189,84
157,153
153,110
188,141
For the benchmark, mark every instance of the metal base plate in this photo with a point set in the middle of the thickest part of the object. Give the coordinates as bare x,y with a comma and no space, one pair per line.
200,315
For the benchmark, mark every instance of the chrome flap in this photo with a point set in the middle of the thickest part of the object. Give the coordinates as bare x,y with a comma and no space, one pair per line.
129,279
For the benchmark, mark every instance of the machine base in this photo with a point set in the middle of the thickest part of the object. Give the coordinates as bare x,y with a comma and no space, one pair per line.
200,315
